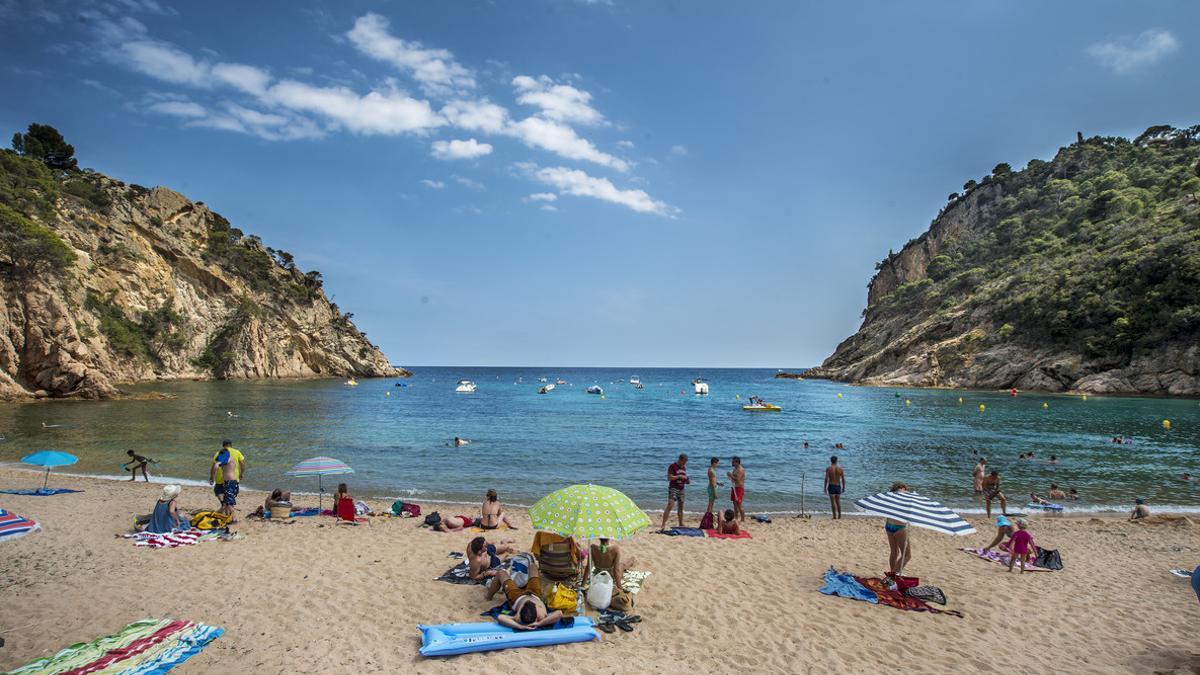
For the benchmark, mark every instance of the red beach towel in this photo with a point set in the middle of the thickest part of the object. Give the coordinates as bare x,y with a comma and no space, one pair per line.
713,534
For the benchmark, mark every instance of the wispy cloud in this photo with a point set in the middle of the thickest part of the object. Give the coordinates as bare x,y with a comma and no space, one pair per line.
432,184
562,140
679,150
558,102
580,184
438,73
456,149
628,145
1128,53
540,197
467,182
188,109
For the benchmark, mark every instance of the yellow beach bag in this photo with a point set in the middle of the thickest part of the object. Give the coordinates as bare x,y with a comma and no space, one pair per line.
563,598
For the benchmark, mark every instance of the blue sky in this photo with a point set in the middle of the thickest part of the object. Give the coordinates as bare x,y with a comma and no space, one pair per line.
555,182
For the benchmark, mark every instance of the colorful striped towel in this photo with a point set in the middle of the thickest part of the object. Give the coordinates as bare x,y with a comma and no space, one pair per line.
13,526
1002,558
169,540
145,647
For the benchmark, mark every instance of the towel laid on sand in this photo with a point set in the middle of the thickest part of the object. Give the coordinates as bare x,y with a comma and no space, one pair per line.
39,492
13,526
713,534
632,580
146,646
892,598
843,584
461,574
683,532
1002,558
178,538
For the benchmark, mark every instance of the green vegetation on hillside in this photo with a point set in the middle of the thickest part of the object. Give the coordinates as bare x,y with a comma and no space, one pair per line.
154,334
27,192
1097,250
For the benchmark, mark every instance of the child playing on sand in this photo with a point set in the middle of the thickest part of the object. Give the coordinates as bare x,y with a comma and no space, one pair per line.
730,524
1021,544
137,462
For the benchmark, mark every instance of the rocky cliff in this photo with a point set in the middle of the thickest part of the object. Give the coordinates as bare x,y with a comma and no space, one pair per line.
1082,273
150,285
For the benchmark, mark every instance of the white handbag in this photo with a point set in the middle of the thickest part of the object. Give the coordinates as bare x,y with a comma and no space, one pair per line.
599,594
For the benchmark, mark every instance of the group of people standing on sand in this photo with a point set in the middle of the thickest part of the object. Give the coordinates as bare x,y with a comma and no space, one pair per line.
678,480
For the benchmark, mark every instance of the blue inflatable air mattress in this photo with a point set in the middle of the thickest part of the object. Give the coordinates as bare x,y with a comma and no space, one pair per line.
462,638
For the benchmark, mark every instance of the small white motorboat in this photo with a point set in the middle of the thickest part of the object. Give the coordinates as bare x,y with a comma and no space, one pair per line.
595,389
546,389
542,380
635,380
465,387
560,382
700,386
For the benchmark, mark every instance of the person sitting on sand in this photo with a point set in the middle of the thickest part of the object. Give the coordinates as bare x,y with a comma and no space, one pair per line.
1021,545
606,557
991,490
1140,510
1056,492
899,548
166,516
277,501
343,492
137,462
492,513
484,557
729,525
1004,528
454,523
528,609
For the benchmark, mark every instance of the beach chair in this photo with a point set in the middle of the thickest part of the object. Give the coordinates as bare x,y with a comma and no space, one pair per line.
344,510
557,562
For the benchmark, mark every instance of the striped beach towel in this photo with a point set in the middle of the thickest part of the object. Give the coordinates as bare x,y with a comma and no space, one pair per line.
169,540
13,526
143,647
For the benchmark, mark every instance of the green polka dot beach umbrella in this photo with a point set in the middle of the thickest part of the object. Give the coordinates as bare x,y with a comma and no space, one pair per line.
588,512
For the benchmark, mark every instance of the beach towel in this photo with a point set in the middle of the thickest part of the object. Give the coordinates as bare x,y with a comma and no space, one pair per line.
169,540
13,526
683,532
844,585
302,513
713,534
461,574
886,596
927,593
632,580
143,647
1184,574
39,492
1002,558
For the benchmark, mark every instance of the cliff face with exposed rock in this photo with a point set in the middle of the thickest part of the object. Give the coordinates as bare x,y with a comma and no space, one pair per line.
1082,273
154,287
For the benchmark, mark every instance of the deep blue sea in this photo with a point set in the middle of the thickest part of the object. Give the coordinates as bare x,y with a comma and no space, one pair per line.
397,438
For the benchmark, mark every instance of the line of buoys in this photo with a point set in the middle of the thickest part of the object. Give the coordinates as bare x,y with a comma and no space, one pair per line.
1166,424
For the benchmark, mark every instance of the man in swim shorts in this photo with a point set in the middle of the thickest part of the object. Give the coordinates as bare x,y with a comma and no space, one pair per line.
484,558
226,463
835,485
737,494
712,483
677,478
991,490
528,608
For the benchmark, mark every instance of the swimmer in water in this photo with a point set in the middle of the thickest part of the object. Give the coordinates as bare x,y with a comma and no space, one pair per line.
1185,477
459,442
1053,459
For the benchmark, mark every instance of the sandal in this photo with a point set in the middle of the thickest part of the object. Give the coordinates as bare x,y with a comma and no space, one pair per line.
623,624
606,626
633,619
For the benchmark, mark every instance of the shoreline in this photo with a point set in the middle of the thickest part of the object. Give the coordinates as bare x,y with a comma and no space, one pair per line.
370,495
1041,392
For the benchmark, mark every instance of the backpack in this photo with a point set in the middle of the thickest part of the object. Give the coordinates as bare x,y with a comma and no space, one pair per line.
403,510
1049,559
706,523
622,600
433,519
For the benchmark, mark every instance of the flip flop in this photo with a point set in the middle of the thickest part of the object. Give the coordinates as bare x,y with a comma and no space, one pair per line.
633,619
623,624
606,627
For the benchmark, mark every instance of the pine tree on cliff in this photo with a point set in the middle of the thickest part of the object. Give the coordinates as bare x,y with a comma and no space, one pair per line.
45,144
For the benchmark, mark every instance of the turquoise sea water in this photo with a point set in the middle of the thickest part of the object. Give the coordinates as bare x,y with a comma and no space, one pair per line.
526,445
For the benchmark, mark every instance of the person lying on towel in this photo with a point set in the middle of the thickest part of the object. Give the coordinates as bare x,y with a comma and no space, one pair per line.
528,610
730,525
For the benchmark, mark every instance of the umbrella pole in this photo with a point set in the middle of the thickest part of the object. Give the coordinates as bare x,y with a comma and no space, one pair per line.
320,494
47,480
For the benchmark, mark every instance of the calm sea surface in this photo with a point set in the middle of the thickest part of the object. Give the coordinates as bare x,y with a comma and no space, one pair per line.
526,445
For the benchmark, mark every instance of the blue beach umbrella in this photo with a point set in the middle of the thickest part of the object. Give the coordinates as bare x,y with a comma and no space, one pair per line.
49,459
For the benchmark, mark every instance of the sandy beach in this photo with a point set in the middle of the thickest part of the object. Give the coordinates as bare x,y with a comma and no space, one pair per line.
318,597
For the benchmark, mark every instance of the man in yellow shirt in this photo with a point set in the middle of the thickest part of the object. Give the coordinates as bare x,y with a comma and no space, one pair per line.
225,475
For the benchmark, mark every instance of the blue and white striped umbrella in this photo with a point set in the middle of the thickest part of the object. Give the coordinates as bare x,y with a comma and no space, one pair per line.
912,508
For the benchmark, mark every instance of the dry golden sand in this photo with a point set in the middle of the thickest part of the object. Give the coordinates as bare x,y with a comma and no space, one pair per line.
313,598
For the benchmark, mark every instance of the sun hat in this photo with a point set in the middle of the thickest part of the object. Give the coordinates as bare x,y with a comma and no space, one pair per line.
1003,521
170,492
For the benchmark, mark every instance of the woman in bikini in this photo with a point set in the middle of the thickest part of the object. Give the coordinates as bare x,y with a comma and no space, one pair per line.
900,550
492,513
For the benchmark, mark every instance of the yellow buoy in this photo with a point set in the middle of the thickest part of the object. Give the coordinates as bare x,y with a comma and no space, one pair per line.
737,396
389,393
982,407
1045,405
1085,397
1166,424
960,400
907,402
839,394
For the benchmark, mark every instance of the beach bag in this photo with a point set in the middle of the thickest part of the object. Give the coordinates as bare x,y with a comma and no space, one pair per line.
1049,559
210,520
562,598
905,583
361,508
622,600
412,510
397,508
600,593
519,569
433,519
706,523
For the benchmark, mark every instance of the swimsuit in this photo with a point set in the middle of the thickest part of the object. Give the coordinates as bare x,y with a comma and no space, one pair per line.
737,495
835,489
674,494
893,528
229,497
712,493
991,493
1021,542
495,561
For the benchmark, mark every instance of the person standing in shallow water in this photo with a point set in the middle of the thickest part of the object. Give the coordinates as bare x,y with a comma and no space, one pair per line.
737,494
978,474
677,479
835,485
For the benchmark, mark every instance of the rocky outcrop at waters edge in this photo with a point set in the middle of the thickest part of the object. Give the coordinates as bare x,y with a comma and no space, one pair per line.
158,287
1078,274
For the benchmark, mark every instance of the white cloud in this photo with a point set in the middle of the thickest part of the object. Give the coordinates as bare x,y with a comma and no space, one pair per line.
481,115
435,69
548,207
179,108
164,62
578,183
558,102
386,112
1128,53
679,150
628,145
467,182
245,78
561,140
540,197
432,184
456,149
